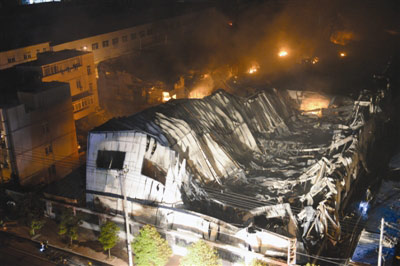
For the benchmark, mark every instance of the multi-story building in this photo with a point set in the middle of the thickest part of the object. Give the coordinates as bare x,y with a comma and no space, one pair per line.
74,67
38,142
12,57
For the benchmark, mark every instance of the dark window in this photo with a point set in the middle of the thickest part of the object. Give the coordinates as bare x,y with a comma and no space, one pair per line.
149,31
95,46
52,170
133,36
153,171
90,87
105,43
115,41
44,49
124,38
110,159
78,84
142,34
11,60
48,149
89,71
27,56
45,128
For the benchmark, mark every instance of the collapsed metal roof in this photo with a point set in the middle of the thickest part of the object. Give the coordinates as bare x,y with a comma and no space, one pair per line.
264,157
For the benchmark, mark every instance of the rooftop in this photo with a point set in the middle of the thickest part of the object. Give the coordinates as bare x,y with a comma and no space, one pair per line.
51,57
63,22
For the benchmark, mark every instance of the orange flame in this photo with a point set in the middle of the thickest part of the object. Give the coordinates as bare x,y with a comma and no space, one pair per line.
314,104
342,37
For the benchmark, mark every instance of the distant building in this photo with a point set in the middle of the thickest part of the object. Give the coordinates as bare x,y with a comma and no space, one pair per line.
12,57
38,141
72,66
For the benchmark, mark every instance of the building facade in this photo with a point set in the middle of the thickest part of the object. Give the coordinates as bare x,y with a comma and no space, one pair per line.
38,139
21,55
75,67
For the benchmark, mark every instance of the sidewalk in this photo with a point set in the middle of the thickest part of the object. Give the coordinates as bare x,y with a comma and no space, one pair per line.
86,245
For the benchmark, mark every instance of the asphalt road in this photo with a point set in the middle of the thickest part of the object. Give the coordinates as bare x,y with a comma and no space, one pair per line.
15,251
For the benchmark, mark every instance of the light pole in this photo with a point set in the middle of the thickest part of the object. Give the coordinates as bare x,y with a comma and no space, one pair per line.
122,178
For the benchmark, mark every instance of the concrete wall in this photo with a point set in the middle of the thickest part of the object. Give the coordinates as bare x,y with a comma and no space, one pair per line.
84,97
42,140
21,55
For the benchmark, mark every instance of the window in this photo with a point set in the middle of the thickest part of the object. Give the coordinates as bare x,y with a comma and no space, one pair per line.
48,149
89,70
149,31
142,34
124,38
133,36
44,49
90,87
37,51
105,43
27,56
151,170
110,159
45,128
52,170
78,84
115,41
95,46
11,60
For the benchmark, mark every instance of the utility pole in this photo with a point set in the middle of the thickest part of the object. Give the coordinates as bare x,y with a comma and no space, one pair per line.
380,243
122,176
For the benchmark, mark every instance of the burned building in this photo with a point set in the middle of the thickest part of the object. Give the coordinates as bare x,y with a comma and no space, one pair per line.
282,163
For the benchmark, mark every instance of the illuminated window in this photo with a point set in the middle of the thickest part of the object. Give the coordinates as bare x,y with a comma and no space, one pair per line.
105,43
110,159
115,41
133,36
89,70
95,46
142,34
124,38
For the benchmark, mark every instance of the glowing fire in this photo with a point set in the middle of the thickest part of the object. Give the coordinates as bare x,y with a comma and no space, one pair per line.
342,37
314,104
166,96
282,53
254,68
199,93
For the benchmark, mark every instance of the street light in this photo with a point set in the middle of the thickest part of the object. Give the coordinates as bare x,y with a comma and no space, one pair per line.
122,178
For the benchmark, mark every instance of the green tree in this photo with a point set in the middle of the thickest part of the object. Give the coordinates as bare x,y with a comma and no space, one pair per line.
201,254
36,224
256,262
109,236
69,225
150,248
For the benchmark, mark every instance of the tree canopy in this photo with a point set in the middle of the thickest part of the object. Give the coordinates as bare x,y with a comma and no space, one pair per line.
109,236
69,225
201,254
150,248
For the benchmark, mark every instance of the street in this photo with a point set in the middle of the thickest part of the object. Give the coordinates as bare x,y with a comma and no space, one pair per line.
15,250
